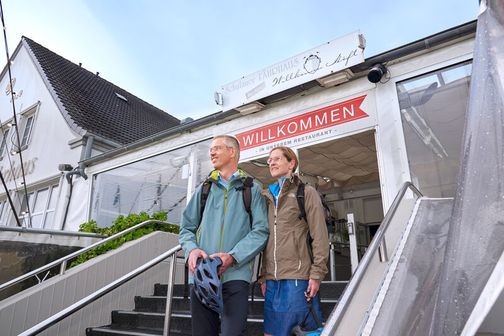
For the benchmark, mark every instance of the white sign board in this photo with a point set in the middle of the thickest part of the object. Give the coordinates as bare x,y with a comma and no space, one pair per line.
315,63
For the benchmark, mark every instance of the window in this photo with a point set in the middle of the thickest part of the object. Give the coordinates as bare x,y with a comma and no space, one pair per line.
158,183
26,122
3,145
4,212
433,108
27,131
42,206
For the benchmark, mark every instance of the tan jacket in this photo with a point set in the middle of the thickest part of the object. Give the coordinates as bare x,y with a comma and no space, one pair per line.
286,254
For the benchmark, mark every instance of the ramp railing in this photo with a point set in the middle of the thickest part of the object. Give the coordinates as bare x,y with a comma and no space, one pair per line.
378,247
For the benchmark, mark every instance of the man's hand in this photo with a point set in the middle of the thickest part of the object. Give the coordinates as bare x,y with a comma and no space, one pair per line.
193,258
227,261
313,288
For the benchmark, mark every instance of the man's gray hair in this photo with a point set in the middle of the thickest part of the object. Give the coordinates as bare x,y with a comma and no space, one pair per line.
232,142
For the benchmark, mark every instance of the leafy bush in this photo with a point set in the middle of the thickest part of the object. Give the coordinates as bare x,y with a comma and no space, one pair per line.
120,224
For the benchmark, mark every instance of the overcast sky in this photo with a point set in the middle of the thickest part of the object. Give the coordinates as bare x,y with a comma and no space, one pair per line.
176,54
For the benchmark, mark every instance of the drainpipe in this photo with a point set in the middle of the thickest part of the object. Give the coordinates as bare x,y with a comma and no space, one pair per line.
86,153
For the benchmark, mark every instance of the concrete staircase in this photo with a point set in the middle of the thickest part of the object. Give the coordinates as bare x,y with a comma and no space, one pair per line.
148,316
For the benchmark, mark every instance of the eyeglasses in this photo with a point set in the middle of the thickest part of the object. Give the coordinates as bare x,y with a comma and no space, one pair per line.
274,159
217,148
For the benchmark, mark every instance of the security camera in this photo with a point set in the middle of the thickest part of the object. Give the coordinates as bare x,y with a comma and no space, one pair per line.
376,73
64,167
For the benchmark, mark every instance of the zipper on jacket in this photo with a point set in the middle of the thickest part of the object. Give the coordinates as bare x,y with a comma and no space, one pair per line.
275,240
223,218
275,233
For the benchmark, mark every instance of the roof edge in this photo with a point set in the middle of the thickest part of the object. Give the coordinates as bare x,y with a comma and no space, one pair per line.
68,119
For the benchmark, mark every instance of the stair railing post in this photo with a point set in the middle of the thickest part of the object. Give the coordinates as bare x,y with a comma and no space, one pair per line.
169,294
332,261
63,267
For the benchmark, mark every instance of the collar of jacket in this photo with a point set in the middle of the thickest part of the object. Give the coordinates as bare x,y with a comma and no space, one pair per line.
293,180
214,175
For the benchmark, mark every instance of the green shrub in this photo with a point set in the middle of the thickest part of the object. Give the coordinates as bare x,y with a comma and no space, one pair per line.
120,224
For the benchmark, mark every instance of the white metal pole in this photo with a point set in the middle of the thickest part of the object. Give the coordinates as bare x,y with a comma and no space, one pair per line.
169,294
354,256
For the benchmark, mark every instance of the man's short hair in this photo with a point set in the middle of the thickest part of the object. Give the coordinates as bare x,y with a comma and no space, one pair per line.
232,142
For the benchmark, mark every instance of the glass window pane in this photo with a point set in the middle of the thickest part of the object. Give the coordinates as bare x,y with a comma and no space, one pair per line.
48,223
40,201
53,197
3,204
30,201
27,131
36,221
154,184
5,137
433,109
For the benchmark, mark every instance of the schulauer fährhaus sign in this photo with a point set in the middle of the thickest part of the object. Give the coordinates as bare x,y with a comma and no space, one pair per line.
303,128
315,63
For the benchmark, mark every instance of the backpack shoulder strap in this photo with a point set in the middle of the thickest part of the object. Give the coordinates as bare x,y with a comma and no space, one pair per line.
247,196
205,190
300,196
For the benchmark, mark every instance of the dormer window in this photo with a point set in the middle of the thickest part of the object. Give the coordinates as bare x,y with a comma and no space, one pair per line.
26,122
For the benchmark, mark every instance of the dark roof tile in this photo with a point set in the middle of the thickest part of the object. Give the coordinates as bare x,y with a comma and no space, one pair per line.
92,102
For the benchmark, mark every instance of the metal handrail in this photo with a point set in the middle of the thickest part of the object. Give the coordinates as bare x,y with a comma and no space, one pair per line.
50,232
50,321
378,240
63,260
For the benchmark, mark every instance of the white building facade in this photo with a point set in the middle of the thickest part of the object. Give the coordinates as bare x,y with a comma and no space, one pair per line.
54,114
357,141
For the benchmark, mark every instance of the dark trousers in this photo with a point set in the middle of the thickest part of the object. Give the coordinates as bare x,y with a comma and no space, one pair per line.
233,322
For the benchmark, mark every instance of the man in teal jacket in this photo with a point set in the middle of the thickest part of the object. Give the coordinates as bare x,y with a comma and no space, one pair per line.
224,230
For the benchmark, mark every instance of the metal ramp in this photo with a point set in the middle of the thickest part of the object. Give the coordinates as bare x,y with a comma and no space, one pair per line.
445,275
388,296
414,274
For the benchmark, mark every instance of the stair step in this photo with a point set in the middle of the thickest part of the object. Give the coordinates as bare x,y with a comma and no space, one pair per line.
183,322
328,289
113,331
158,304
148,317
132,320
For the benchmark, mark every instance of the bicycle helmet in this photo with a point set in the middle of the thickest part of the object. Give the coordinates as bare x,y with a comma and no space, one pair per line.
207,285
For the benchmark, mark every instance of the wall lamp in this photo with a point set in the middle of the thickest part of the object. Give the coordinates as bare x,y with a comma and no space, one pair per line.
376,73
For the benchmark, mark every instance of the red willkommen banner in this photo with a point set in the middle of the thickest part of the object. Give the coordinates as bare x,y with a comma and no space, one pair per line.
305,123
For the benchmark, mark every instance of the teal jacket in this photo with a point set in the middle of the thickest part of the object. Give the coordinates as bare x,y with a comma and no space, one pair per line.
225,226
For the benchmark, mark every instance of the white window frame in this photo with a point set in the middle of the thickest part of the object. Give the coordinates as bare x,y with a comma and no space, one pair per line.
4,145
4,211
24,132
27,130
33,196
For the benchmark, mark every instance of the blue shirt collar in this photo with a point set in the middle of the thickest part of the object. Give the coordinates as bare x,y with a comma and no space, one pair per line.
275,188
226,183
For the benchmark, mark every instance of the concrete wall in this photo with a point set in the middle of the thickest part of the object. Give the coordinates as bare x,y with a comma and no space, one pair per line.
24,310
